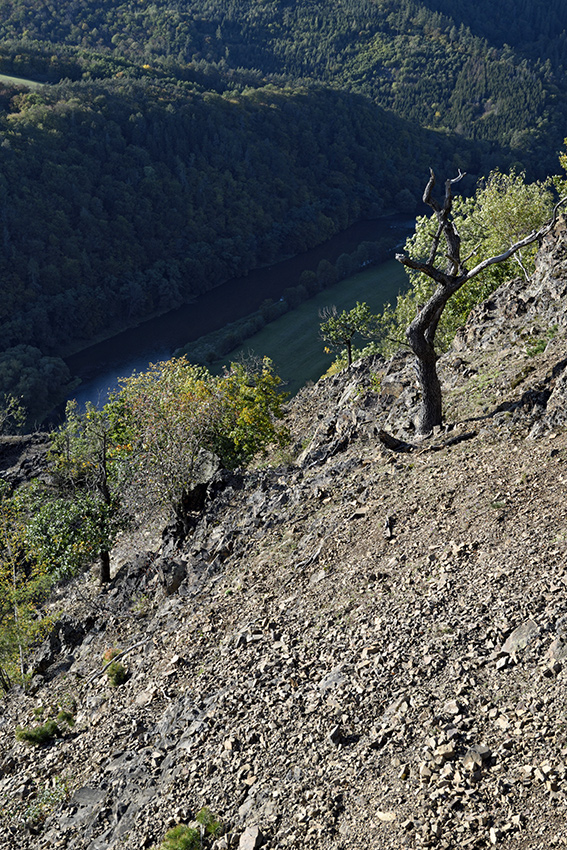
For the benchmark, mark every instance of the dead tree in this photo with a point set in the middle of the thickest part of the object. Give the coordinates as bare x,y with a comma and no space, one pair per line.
421,332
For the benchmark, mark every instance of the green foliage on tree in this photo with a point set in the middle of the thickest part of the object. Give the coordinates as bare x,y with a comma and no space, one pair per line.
66,533
338,330
12,414
251,405
146,441
47,533
174,411
489,71
23,585
503,209
169,410
450,273
88,465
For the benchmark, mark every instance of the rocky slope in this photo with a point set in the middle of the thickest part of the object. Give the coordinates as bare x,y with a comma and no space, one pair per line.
364,647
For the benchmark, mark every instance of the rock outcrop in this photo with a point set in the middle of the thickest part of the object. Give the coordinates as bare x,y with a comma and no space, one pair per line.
23,458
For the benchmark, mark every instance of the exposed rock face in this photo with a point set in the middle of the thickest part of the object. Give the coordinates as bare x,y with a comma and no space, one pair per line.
363,648
23,458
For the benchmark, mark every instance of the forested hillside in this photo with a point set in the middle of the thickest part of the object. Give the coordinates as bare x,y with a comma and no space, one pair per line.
123,198
491,72
180,144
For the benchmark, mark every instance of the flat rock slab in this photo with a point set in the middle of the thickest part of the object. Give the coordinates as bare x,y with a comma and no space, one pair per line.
520,637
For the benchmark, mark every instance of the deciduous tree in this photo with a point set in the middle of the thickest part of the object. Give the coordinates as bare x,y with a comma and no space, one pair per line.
339,329
175,410
88,460
503,209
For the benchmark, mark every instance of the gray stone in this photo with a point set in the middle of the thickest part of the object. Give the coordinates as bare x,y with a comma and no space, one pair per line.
251,838
332,679
446,752
557,651
477,756
335,735
520,637
171,574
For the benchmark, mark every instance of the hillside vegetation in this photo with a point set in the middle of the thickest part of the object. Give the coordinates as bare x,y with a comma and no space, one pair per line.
489,73
179,145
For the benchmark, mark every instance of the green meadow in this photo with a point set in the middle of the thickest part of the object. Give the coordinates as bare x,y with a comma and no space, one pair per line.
293,342
20,81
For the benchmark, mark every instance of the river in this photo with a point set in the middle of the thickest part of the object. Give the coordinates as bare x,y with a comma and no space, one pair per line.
99,366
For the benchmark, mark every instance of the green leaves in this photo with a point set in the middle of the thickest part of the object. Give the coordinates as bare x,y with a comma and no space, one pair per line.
251,404
12,414
503,210
23,584
169,410
66,534
182,837
339,330
174,411
88,461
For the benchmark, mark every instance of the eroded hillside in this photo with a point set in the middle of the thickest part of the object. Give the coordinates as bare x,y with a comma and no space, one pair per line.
362,647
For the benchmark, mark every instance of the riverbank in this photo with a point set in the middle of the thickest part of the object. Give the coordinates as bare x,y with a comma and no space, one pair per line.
293,341
99,366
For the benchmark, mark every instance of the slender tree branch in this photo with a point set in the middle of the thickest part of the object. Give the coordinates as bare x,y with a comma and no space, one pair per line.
435,244
425,268
518,259
472,253
427,199
522,243
553,221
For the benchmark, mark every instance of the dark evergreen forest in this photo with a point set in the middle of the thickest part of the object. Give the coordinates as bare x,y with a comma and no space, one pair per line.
179,144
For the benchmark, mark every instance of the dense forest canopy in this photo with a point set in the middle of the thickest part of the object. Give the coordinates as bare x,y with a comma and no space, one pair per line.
488,71
180,144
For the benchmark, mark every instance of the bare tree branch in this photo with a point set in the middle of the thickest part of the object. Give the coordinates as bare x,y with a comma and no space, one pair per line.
472,253
521,243
426,268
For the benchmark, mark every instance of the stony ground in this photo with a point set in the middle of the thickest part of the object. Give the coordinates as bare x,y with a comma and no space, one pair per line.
362,647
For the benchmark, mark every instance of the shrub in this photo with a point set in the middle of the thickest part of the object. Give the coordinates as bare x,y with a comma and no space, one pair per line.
46,732
66,717
182,838
116,672
189,837
210,822
39,735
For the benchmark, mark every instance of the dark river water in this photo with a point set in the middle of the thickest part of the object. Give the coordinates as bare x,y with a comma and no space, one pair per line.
99,366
